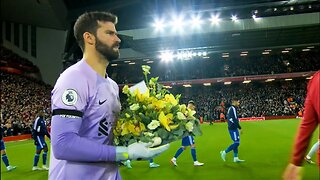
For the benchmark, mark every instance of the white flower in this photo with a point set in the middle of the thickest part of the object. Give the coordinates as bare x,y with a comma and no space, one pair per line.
153,125
156,141
181,116
189,126
134,107
148,134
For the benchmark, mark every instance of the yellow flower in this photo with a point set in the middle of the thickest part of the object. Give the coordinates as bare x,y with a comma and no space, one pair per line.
183,108
126,90
125,128
170,99
134,107
191,113
174,126
189,126
165,120
127,115
181,116
158,104
145,69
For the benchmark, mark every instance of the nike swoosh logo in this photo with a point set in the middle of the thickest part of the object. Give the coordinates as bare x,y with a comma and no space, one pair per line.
101,102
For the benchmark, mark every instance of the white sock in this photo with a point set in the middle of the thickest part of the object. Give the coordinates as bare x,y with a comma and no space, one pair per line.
313,150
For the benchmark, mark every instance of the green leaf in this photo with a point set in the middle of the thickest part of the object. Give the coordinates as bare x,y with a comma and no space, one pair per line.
131,141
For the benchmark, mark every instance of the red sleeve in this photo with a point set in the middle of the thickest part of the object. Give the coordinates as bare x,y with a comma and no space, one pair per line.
309,122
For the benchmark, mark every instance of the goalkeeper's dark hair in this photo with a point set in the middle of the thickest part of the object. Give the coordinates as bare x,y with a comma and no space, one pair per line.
88,22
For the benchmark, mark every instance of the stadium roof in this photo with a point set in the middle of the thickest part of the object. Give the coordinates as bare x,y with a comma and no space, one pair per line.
136,16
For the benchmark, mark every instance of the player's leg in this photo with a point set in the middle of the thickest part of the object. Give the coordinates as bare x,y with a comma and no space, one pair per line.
36,158
153,164
185,142
194,155
312,151
4,157
223,153
236,144
44,157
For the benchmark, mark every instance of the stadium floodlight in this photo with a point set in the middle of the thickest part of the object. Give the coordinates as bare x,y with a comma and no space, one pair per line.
285,51
204,53
167,87
289,79
166,56
227,83
268,50
158,24
149,62
177,23
246,82
205,57
310,47
207,84
275,9
234,18
225,55
243,54
265,52
269,80
309,77
127,61
196,21
306,49
215,19
132,63
187,85
288,49
114,64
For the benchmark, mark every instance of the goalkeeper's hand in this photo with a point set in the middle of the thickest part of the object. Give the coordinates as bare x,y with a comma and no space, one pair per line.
139,151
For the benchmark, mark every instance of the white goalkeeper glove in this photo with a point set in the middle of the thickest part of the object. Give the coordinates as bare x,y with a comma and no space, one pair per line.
139,151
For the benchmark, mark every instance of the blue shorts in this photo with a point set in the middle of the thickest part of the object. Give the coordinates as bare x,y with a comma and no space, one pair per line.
234,134
40,142
187,141
2,146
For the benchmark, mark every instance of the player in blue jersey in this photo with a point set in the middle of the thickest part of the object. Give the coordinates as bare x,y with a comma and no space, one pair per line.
187,141
233,126
85,103
39,131
4,154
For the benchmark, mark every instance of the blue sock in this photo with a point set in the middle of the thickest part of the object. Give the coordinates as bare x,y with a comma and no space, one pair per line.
151,160
5,160
180,150
36,159
231,147
235,149
44,158
193,153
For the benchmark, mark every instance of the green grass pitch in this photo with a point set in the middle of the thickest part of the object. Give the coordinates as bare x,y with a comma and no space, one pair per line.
265,145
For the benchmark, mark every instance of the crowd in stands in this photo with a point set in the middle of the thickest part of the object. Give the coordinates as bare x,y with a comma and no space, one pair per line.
21,99
295,61
11,59
256,99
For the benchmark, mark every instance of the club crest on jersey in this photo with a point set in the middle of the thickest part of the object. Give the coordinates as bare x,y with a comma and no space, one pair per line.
69,97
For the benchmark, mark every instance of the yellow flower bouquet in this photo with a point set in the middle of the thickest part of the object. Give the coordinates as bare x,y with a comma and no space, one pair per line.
153,115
